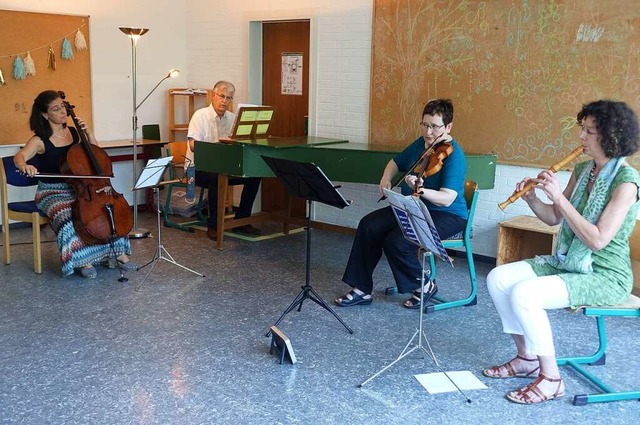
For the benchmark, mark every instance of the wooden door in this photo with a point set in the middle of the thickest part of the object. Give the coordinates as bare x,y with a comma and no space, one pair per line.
283,45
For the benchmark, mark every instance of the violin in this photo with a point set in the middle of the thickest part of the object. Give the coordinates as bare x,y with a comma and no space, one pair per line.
421,166
99,213
431,162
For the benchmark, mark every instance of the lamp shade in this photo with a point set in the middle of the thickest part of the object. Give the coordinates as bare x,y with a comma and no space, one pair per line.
134,32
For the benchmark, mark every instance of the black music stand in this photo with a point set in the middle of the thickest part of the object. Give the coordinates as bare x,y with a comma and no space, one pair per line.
417,227
306,180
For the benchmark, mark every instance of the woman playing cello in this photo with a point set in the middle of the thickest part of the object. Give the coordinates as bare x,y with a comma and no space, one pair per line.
50,143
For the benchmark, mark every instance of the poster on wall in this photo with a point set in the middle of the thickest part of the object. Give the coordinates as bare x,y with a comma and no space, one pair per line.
292,73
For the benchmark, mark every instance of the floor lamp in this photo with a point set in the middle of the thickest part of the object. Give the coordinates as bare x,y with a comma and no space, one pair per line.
134,34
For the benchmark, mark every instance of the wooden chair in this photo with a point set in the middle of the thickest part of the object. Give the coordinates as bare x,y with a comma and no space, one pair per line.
25,211
176,172
462,240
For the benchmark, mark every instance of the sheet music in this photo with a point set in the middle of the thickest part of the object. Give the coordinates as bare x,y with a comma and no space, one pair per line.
152,172
414,219
238,113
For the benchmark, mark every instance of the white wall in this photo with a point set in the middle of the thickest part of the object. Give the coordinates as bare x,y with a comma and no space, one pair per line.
341,36
162,48
208,40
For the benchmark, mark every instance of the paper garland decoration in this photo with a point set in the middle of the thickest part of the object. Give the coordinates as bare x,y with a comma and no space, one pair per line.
80,42
51,61
29,65
67,51
23,67
18,69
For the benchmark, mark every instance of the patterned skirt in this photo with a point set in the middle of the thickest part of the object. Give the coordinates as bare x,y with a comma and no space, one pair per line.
55,199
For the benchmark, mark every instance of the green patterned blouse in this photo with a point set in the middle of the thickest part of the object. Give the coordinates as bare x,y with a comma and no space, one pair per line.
611,281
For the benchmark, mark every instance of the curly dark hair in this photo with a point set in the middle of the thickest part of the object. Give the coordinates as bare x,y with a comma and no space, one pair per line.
442,107
39,124
617,125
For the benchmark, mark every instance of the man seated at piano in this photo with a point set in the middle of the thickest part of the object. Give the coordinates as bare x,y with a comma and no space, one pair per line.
442,193
209,124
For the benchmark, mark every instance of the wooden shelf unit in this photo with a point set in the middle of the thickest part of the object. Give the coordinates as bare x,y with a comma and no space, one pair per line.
177,98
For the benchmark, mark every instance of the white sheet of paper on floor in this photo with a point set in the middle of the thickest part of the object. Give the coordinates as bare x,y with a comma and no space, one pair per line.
438,382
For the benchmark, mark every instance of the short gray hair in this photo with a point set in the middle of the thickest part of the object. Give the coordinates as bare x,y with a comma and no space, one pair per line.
226,84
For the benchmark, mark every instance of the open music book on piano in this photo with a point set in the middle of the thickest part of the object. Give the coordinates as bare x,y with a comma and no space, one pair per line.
251,122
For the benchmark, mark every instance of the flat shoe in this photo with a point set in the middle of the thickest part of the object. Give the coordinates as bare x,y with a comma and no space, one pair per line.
89,272
533,394
352,298
414,301
128,266
212,233
508,371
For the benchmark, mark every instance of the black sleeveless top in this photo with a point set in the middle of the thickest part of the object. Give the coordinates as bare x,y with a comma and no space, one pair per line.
49,161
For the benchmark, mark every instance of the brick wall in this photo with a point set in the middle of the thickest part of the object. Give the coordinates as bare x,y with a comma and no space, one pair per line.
341,34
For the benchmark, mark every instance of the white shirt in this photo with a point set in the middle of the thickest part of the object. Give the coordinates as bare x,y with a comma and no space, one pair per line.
207,126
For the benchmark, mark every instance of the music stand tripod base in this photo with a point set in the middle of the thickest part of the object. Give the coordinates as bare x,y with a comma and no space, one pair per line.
150,178
161,252
418,333
307,181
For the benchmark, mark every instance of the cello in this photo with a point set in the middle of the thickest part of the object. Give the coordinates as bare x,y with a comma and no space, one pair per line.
99,213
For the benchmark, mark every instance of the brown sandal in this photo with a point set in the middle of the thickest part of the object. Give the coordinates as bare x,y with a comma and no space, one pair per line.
532,394
497,371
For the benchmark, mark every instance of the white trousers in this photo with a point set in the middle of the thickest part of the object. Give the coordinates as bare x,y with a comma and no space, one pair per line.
522,299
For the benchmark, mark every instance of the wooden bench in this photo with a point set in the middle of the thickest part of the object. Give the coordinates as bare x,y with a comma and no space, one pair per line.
630,308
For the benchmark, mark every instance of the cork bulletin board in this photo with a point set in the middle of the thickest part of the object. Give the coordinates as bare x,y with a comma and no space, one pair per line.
517,71
35,32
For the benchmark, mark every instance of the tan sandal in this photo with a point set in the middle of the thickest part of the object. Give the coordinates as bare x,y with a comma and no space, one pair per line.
532,394
497,372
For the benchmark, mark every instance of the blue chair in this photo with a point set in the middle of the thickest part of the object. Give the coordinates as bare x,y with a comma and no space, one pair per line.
630,308
24,211
462,240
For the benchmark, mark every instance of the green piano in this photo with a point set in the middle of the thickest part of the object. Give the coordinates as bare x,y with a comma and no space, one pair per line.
339,159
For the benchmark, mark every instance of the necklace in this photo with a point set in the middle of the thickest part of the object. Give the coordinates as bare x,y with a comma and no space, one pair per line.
61,134
592,174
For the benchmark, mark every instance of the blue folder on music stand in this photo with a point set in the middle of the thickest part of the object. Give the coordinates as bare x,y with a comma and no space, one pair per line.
416,223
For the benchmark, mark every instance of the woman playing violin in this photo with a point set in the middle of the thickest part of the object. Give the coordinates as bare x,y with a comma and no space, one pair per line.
597,211
48,147
441,188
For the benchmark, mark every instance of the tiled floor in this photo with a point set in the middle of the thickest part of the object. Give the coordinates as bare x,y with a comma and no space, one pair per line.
182,349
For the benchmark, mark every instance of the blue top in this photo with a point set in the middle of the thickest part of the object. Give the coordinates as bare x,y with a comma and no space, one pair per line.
451,176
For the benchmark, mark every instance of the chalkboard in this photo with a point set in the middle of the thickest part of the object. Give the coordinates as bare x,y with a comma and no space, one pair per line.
35,32
517,71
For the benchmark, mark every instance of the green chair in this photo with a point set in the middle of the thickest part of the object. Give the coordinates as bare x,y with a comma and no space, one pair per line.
151,132
630,308
462,240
